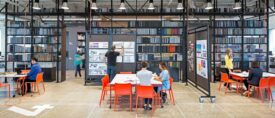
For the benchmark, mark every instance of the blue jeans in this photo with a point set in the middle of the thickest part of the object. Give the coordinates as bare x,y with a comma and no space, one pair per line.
111,70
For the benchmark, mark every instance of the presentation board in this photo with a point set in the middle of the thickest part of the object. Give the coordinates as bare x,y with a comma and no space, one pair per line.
202,63
97,60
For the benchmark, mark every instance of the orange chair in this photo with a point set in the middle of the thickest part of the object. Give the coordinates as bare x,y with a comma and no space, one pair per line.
271,84
123,90
105,88
225,79
6,85
125,73
239,82
264,84
39,80
171,94
145,92
21,80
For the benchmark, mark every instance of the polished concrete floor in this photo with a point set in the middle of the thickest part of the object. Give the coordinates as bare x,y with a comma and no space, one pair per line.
73,100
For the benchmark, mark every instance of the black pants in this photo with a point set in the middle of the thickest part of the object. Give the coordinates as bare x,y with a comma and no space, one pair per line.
246,83
77,70
149,100
28,85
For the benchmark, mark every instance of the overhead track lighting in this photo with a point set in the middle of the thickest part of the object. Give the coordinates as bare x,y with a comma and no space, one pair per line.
94,7
36,5
122,5
151,5
209,5
237,5
180,6
65,5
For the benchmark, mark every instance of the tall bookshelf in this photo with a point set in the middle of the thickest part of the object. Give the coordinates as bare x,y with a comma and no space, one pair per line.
81,44
26,40
246,38
160,41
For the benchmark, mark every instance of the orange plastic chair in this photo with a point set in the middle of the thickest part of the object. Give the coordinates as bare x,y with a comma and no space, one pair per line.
239,82
123,90
125,73
21,80
225,79
105,88
271,84
6,85
145,92
264,84
39,80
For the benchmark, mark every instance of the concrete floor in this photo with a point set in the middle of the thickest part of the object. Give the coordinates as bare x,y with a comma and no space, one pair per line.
73,100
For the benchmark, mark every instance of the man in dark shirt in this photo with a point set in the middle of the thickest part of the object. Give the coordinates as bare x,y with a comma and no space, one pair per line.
111,61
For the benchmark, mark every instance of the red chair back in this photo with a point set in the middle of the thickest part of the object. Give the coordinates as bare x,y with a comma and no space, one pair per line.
224,77
39,77
123,89
125,73
264,83
171,82
104,81
145,91
272,81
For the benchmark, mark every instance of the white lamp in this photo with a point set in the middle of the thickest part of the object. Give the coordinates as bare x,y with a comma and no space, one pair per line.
209,5
65,5
122,5
151,5
36,5
94,5
180,6
237,5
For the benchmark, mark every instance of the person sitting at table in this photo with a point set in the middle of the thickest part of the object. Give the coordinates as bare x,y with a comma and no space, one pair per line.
254,77
164,78
31,76
145,77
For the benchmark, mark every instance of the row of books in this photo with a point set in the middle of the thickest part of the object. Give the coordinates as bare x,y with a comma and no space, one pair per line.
220,57
154,24
81,36
255,31
48,48
19,57
255,57
238,24
27,40
159,31
239,39
159,49
81,43
171,57
45,57
148,40
255,48
228,31
171,31
224,47
152,65
157,57
37,31
113,31
19,48
148,31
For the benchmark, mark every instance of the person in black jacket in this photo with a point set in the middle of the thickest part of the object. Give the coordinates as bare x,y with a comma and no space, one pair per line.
255,75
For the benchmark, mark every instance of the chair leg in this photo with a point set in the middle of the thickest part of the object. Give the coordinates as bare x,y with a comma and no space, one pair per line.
37,86
219,88
130,102
260,92
9,90
173,99
226,88
101,97
248,95
44,87
136,103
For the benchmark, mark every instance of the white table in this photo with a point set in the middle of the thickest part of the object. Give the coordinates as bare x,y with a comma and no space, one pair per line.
12,76
245,74
129,78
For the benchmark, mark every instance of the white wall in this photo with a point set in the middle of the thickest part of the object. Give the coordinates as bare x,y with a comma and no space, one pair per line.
272,34
2,36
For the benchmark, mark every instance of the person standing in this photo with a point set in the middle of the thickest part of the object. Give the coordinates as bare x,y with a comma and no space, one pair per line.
164,78
111,56
77,63
31,76
228,58
145,77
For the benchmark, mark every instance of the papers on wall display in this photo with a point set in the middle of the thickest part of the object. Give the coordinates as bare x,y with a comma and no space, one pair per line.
97,68
97,55
129,51
98,45
202,64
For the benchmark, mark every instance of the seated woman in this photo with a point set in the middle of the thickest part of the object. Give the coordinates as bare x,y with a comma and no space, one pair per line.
255,75
164,78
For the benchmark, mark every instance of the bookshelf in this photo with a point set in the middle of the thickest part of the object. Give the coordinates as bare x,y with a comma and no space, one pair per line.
159,41
246,38
81,45
26,40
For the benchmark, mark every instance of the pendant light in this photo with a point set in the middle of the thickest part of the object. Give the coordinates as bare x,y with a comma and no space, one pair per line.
122,5
209,5
237,5
94,7
65,5
180,6
36,5
151,5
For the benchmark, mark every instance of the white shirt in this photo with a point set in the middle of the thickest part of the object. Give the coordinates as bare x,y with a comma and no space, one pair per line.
145,77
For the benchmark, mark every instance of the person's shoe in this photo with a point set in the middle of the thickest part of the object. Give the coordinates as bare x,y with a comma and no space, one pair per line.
245,93
145,107
163,99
